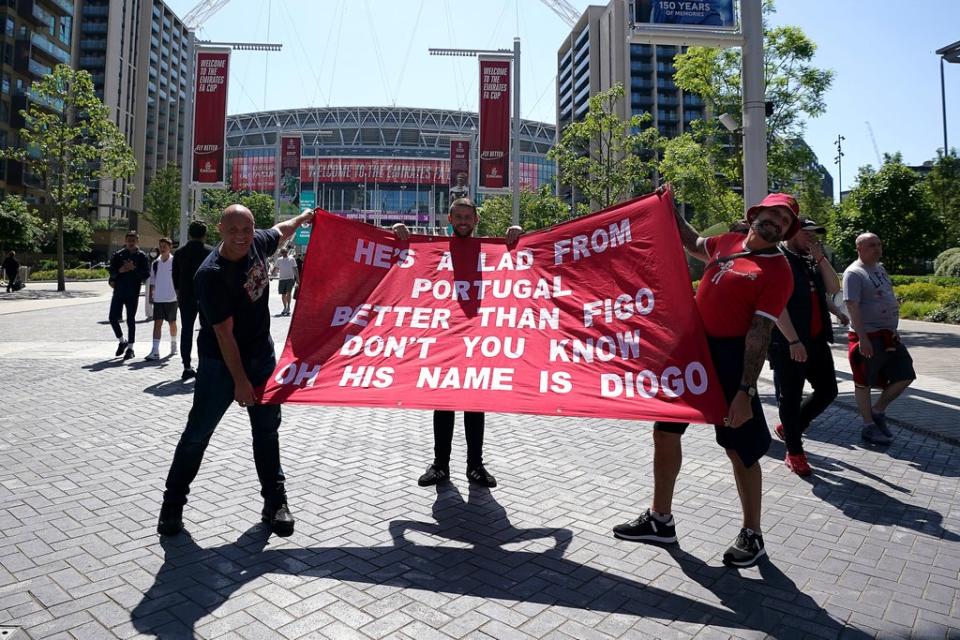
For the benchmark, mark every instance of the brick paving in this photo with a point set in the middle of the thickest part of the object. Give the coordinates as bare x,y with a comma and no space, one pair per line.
868,547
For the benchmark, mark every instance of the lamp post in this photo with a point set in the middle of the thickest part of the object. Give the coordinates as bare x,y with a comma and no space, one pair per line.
949,53
837,161
505,54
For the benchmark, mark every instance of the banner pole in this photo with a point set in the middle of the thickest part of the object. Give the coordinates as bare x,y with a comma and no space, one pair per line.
515,173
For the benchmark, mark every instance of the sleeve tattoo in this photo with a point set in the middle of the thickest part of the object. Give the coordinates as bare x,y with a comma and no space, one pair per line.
755,349
692,242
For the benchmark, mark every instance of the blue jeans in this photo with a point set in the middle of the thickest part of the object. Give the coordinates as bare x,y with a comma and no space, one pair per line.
212,395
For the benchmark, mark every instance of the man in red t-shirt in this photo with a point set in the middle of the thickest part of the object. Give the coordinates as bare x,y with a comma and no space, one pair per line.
744,288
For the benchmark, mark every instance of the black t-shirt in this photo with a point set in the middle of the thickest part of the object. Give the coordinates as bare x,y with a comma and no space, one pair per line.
240,290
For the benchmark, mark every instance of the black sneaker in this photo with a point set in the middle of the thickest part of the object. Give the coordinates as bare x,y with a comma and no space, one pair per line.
128,353
880,419
170,522
279,518
746,550
479,475
121,348
646,528
188,373
434,475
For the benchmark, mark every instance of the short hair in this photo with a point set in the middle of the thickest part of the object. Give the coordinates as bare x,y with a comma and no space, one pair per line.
197,230
165,239
132,233
463,202
863,237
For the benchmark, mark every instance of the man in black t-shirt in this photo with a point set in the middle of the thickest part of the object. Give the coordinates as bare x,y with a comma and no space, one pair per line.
186,261
129,268
236,356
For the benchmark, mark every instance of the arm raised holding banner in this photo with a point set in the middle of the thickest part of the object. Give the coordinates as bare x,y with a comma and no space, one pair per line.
287,228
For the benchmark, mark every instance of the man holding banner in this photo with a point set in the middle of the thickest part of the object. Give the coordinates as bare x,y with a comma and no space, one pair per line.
463,218
236,356
744,289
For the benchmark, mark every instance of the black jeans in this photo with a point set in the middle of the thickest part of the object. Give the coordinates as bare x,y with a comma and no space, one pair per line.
443,437
124,301
796,413
188,315
212,395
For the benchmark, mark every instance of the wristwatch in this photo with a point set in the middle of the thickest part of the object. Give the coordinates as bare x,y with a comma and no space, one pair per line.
749,389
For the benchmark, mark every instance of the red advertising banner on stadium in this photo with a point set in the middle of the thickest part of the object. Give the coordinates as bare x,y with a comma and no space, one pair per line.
210,115
494,123
459,168
410,171
593,317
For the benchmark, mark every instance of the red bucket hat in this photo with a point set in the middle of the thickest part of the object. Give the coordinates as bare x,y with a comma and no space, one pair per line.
784,200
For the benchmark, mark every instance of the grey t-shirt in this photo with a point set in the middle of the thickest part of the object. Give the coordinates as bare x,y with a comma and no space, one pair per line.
871,287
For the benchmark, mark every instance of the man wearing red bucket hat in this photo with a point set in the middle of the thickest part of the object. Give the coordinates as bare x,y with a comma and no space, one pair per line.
745,287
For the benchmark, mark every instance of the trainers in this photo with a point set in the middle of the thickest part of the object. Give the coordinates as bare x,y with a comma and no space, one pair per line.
880,419
170,522
188,373
746,550
173,350
279,518
433,475
779,431
479,475
646,528
121,348
128,353
872,433
797,463
153,355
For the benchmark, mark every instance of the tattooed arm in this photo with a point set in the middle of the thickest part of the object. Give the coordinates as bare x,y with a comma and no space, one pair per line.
754,353
692,242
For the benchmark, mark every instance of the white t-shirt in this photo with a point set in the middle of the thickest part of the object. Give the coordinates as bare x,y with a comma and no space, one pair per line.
286,268
161,279
872,288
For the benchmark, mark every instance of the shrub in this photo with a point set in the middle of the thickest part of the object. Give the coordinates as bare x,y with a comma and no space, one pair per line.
945,313
949,296
944,256
942,281
918,310
918,292
950,266
70,274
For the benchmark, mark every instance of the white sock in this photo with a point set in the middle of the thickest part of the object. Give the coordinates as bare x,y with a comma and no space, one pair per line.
661,517
156,345
173,345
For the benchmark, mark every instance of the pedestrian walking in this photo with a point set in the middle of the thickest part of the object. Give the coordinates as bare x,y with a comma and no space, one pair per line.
186,260
236,356
288,276
163,297
129,268
11,268
464,219
744,289
878,358
800,346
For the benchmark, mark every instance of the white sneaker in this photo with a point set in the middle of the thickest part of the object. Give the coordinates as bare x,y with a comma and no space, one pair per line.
153,355
173,350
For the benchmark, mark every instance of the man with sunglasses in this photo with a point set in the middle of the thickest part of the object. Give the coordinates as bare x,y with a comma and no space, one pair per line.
877,357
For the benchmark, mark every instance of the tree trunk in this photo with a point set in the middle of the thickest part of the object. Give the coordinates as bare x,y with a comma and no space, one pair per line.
61,279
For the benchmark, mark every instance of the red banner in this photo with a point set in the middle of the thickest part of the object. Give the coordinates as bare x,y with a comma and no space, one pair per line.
593,317
210,115
410,171
494,123
459,168
256,173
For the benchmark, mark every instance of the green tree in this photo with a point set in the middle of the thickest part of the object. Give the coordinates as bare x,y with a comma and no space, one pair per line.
77,235
895,204
944,184
21,229
537,210
214,201
605,158
161,202
72,143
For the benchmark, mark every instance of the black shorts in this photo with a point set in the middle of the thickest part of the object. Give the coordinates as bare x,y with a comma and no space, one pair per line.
285,286
752,439
165,311
891,362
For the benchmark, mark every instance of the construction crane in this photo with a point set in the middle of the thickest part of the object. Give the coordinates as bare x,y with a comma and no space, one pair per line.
565,10
202,12
873,139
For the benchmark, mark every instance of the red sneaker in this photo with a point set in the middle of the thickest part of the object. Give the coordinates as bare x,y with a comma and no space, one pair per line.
797,463
779,431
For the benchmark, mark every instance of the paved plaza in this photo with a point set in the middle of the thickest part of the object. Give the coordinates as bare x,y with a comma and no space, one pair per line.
868,547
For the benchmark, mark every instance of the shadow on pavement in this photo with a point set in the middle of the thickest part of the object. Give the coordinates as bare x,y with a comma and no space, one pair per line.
194,582
930,339
112,363
169,388
46,294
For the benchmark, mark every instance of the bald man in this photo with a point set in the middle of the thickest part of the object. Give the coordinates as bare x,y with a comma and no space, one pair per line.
236,355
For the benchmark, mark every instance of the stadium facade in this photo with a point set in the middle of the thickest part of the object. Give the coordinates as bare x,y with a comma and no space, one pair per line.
378,164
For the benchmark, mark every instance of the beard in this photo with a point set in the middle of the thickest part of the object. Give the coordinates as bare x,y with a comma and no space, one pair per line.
769,233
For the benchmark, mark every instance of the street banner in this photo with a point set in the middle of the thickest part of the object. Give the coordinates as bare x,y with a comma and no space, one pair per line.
210,115
593,317
253,173
459,168
410,171
289,175
494,123
686,13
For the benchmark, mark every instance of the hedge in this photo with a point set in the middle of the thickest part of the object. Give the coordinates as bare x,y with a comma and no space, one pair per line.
71,274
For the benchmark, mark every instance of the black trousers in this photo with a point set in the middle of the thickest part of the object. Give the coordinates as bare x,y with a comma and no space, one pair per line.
188,316
118,304
443,437
797,412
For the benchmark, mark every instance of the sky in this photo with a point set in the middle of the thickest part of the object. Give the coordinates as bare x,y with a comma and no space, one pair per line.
374,53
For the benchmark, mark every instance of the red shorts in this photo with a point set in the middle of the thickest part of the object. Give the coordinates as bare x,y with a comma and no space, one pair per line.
890,362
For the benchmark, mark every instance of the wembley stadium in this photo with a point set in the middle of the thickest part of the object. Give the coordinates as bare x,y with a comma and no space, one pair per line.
377,164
